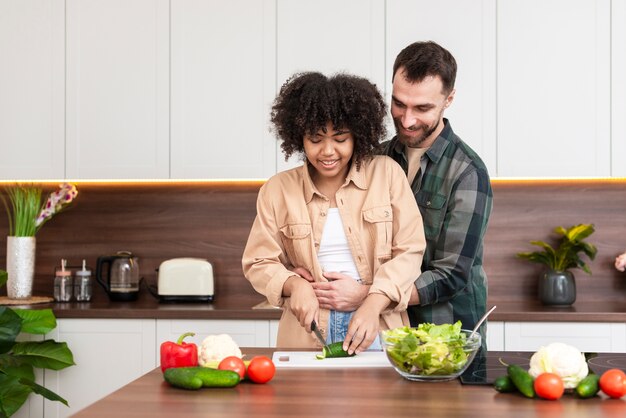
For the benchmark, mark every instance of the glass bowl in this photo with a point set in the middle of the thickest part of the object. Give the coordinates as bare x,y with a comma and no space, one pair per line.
435,361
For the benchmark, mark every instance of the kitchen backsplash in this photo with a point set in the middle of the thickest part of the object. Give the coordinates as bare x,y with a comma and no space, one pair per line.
159,221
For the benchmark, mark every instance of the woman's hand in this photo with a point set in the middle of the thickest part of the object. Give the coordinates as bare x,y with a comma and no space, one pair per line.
620,262
364,325
303,302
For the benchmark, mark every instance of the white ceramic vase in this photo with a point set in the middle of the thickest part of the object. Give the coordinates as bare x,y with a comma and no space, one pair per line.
20,267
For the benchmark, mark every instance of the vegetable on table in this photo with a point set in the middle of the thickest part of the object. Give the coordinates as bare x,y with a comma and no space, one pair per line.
179,353
428,349
561,359
504,384
261,369
613,383
333,350
235,364
549,386
588,387
522,380
215,348
194,378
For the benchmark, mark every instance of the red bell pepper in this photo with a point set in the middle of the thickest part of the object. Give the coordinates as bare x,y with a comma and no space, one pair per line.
179,353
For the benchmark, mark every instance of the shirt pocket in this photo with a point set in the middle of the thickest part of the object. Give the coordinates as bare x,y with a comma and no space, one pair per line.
432,209
297,243
379,222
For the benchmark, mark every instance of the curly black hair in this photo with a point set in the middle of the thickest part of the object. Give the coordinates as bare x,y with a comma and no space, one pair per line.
308,101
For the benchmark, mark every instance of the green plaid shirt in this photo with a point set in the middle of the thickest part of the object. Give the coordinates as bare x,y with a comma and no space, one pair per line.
454,195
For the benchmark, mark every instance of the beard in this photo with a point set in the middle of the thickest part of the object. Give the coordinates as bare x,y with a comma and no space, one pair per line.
422,133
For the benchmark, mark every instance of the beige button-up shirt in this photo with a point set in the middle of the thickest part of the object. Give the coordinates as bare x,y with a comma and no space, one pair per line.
382,224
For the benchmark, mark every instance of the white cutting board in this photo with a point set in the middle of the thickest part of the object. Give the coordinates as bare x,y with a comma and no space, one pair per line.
307,359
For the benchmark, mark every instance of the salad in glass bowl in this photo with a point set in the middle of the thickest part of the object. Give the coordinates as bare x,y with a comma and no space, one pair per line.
430,352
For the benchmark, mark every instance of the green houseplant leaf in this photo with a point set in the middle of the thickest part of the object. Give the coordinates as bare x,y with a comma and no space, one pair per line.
567,254
19,358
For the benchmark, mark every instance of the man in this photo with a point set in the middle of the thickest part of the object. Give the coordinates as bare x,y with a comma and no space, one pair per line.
451,186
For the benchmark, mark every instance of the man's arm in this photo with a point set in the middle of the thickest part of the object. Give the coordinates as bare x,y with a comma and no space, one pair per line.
460,240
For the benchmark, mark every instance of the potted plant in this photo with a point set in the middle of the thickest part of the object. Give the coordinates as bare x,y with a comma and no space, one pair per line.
27,213
18,359
557,286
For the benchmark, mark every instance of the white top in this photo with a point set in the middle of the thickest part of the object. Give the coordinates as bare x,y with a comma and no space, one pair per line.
334,253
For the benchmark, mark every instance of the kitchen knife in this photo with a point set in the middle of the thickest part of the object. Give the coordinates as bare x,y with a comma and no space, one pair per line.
318,334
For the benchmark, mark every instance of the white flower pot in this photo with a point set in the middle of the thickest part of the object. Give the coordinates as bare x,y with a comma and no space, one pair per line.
20,266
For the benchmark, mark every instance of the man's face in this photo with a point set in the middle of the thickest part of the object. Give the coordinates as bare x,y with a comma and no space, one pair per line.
417,109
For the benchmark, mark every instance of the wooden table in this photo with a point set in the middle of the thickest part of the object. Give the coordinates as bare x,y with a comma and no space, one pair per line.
353,392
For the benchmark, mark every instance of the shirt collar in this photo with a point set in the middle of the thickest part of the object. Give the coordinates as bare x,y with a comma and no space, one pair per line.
355,176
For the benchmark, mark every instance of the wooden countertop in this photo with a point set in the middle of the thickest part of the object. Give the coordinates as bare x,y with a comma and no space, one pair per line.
247,307
355,392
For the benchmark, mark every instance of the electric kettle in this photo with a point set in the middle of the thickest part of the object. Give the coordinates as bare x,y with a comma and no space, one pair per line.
119,275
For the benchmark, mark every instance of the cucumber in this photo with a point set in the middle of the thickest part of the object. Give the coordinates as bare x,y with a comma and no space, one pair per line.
588,387
522,380
504,384
194,378
333,350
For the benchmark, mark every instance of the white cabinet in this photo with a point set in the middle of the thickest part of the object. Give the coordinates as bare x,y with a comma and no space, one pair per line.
117,92
109,353
495,336
554,87
222,85
329,36
467,30
586,336
32,132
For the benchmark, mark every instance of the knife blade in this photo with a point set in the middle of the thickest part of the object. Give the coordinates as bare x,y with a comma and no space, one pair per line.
317,333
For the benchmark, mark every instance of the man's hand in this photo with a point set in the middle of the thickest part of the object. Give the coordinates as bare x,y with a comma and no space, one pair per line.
620,262
341,293
303,303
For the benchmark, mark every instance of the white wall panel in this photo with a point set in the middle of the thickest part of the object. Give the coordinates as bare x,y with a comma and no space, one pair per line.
117,89
32,142
223,82
554,88
329,36
467,30
618,88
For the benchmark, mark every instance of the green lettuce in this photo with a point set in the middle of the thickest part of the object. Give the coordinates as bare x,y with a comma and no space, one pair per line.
428,349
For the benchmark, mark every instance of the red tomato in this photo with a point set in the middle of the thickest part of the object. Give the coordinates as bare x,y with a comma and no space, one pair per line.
549,386
613,383
235,364
261,369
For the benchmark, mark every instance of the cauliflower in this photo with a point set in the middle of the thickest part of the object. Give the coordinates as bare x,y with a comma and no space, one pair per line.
215,348
561,359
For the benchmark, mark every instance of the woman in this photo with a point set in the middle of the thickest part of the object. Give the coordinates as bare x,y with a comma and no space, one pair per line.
343,210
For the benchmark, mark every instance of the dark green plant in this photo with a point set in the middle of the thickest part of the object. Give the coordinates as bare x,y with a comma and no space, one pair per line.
567,254
18,359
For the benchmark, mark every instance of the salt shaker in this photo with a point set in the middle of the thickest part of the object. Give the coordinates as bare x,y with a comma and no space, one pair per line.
63,284
82,284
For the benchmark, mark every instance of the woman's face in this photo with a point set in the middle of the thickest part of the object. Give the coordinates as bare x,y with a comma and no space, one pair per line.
329,151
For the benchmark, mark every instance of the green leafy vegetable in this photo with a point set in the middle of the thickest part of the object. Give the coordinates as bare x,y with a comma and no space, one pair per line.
428,349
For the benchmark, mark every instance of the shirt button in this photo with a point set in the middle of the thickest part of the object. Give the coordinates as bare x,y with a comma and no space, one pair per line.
323,213
386,214
428,203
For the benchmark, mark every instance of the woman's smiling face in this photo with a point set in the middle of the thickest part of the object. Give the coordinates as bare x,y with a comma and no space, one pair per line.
329,151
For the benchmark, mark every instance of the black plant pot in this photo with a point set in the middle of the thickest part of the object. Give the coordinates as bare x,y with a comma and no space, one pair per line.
557,288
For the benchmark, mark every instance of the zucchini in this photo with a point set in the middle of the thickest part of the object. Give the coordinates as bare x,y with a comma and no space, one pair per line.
194,378
333,350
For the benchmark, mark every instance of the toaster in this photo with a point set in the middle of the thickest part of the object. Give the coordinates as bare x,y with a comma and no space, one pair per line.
185,280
